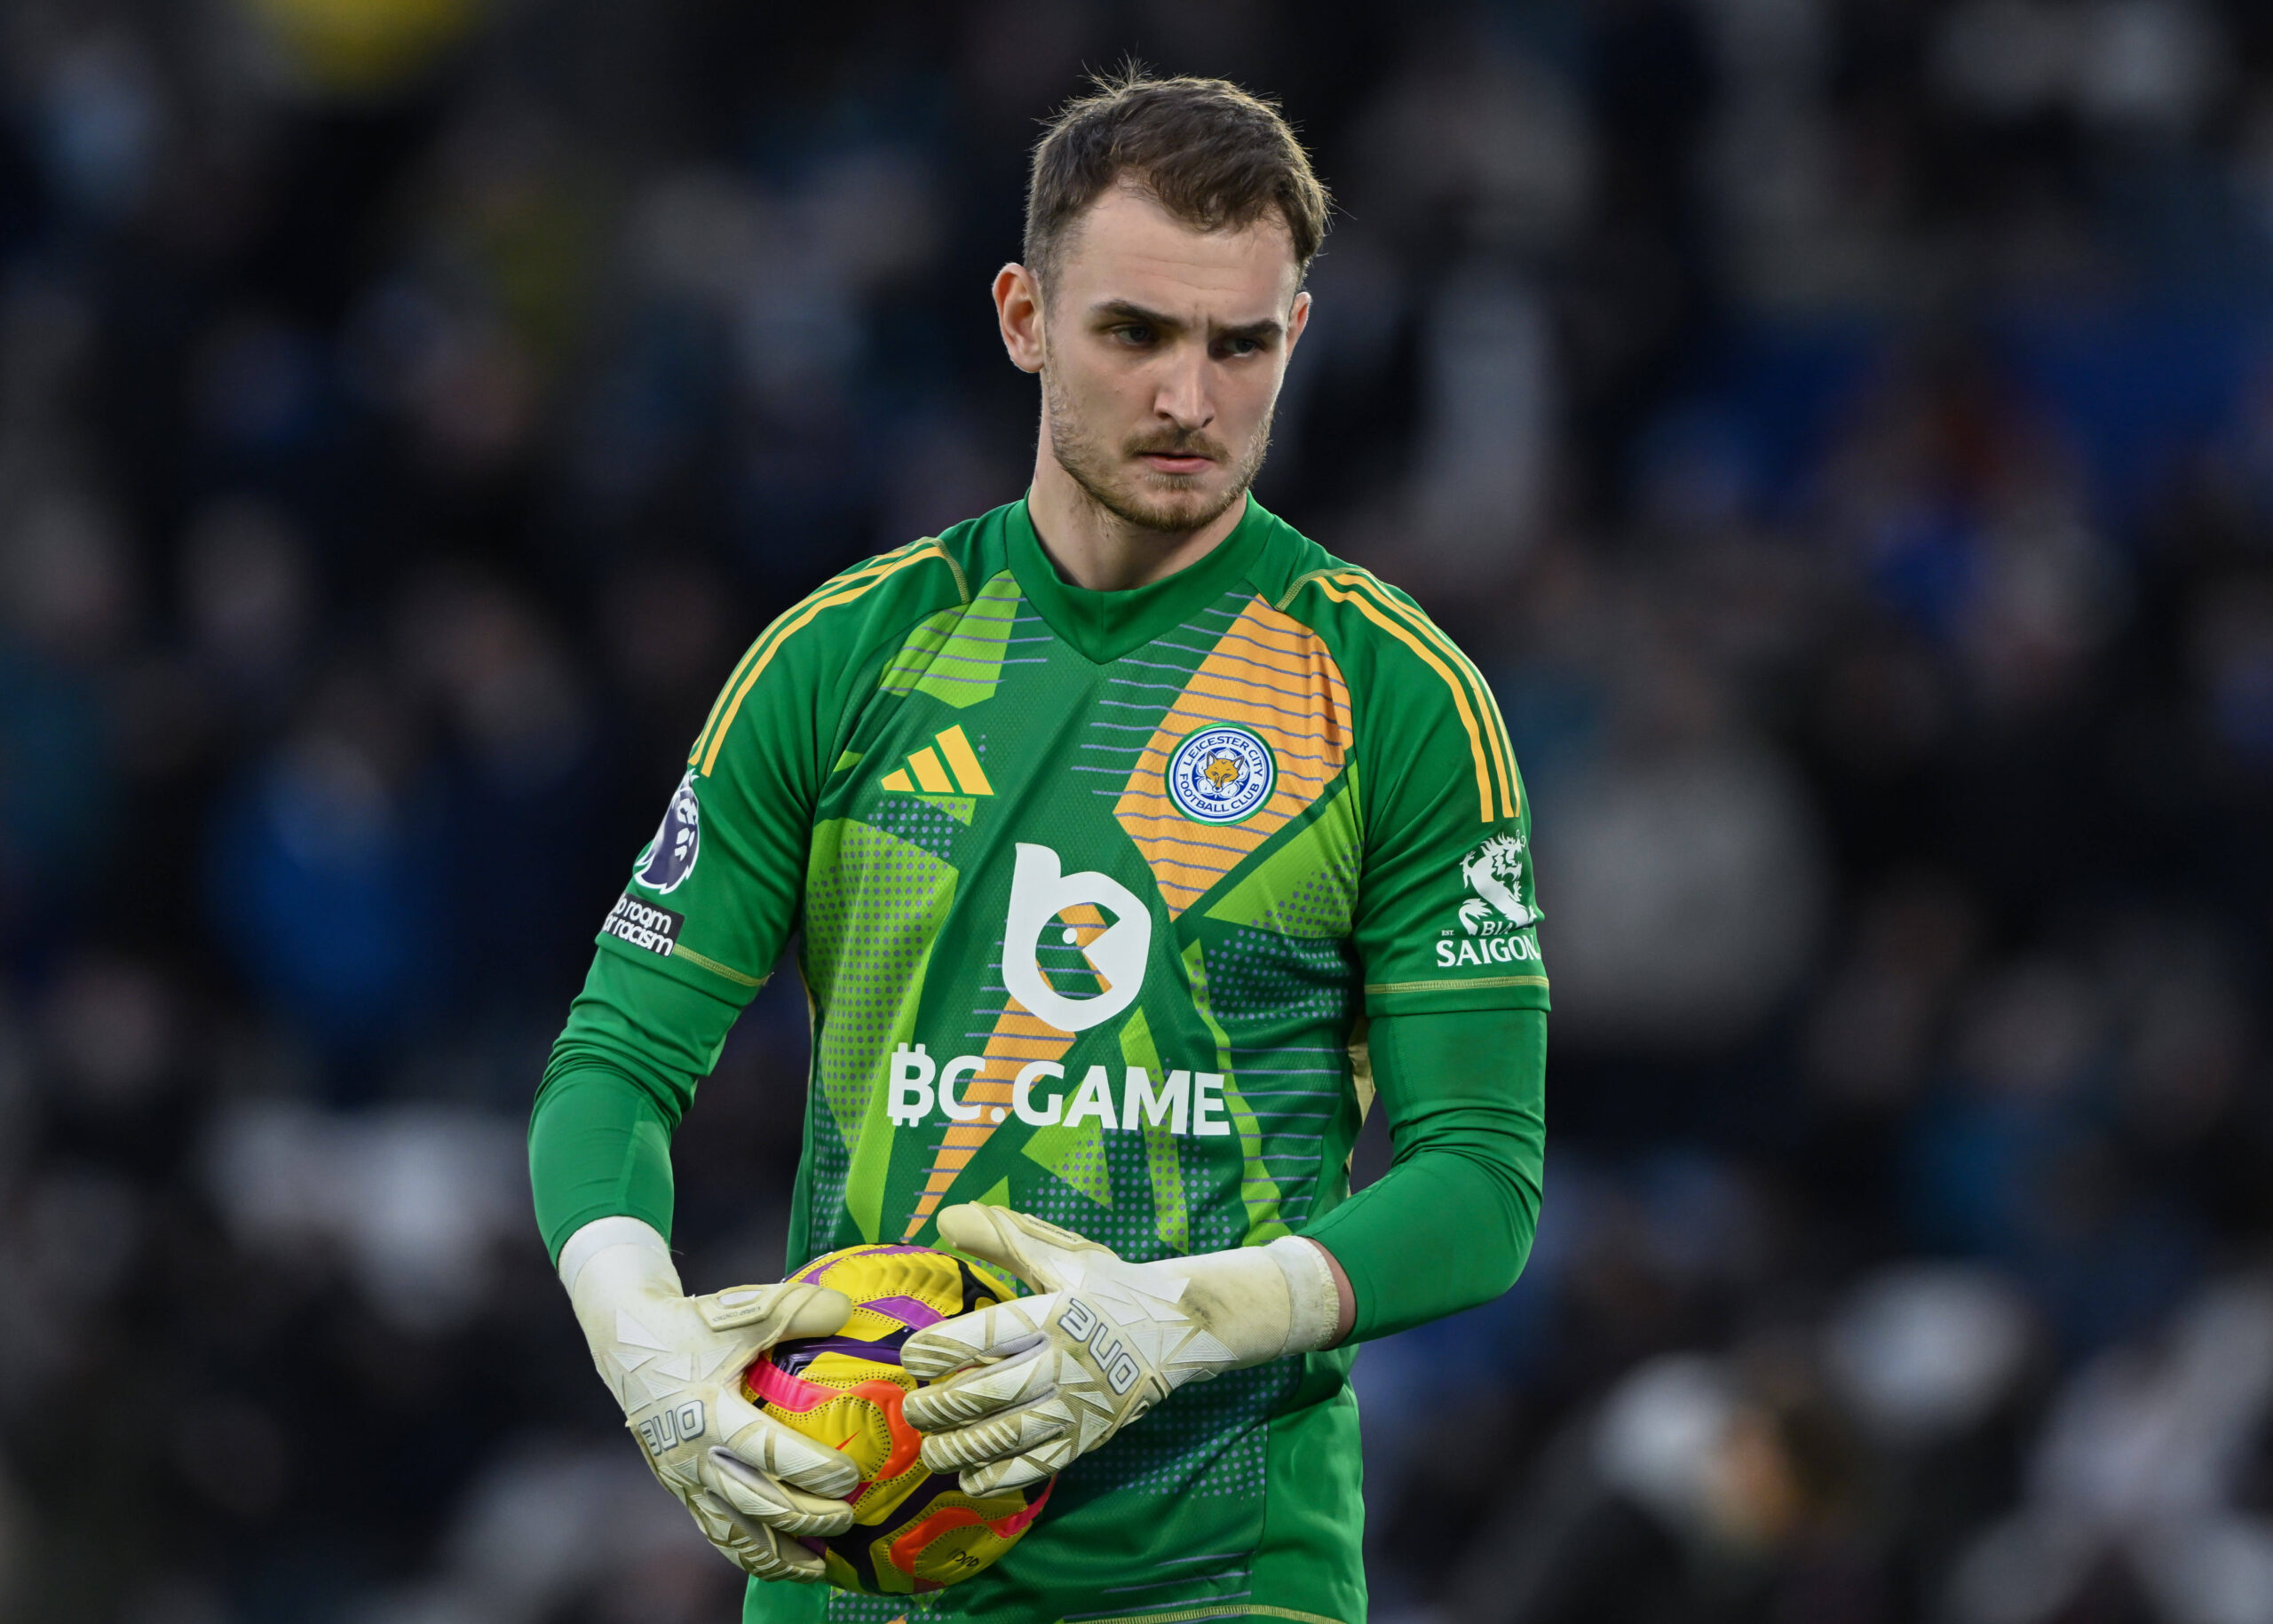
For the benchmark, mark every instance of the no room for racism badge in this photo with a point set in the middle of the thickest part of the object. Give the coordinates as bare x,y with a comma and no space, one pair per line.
1221,774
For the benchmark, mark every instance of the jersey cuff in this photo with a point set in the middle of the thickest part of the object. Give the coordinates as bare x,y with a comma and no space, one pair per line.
1450,996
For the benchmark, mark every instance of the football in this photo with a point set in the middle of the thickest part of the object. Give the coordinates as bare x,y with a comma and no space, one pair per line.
912,1531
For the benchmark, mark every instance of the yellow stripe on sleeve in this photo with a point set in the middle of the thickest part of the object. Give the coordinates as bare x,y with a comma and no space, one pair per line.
1476,744
1503,755
766,639
706,755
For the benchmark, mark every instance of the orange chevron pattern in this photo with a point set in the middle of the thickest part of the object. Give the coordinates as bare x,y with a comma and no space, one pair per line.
1271,674
1017,1040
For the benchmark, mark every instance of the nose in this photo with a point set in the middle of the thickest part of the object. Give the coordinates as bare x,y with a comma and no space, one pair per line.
1183,398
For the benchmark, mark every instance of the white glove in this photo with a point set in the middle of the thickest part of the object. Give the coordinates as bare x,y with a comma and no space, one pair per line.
675,1363
1042,1380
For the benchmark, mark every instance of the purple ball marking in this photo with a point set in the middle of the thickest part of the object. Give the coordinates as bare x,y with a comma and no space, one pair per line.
910,1313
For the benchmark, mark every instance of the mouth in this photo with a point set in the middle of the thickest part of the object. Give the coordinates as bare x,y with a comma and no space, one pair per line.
1174,462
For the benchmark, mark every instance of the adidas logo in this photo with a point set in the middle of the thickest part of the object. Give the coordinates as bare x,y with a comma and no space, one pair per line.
926,775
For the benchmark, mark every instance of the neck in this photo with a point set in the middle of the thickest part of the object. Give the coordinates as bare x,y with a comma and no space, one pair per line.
1095,548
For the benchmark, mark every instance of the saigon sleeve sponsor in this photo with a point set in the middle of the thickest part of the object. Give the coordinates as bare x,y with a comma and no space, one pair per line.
642,925
1452,951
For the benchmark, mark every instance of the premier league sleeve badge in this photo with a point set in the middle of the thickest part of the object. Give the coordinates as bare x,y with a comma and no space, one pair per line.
669,857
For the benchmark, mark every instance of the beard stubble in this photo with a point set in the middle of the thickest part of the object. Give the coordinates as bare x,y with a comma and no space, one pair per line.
1113,480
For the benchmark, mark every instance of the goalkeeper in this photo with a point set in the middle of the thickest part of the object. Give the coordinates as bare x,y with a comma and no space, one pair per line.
1139,847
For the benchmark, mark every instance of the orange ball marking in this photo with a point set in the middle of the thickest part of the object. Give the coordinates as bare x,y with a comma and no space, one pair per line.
906,1442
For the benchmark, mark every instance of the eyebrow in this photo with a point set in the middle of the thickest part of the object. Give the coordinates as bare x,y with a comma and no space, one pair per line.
1270,327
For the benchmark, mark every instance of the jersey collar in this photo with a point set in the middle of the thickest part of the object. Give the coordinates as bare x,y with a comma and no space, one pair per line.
1104,626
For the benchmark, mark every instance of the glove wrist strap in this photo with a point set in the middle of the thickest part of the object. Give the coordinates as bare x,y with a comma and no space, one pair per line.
1263,1302
1317,1300
598,1236
609,1266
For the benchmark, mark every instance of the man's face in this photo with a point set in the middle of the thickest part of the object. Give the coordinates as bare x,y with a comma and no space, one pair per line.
1163,348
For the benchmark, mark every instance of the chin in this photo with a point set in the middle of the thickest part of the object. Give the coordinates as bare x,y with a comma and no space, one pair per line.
1172,502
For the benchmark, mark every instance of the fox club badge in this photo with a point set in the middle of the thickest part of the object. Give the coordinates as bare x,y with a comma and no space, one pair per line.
1221,774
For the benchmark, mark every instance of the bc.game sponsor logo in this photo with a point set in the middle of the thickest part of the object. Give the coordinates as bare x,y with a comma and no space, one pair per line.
642,925
1040,890
1186,1103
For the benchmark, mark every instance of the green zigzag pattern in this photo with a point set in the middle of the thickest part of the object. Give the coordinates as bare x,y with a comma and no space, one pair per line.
1309,886
874,905
955,656
1258,1190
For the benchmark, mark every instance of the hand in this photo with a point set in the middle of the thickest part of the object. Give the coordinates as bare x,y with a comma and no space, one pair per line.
675,1364
1022,1390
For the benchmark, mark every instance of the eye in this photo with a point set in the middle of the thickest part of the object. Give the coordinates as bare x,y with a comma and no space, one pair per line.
1135,333
1241,346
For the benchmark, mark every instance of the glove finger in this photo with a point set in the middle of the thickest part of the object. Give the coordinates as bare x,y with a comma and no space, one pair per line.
1035,1251
970,1394
1021,1471
776,1313
775,1556
769,1501
999,1333
754,1548
998,1437
764,1442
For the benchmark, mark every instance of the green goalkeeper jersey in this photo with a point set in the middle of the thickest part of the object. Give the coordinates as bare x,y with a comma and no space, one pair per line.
1099,893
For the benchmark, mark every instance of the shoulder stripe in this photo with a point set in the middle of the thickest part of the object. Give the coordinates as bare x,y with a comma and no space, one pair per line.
1459,693
1495,730
765,637
844,589
1300,581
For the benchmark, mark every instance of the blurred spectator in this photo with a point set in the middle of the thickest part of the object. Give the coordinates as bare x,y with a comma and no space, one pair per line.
414,1200
327,873
2131,1485
64,606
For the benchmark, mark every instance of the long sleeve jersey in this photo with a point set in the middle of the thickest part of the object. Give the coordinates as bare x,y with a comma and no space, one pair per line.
1121,908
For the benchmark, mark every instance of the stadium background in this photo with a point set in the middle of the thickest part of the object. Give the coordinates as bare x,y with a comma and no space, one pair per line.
1843,429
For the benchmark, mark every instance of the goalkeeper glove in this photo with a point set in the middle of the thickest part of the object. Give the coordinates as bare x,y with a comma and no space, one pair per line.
675,1363
1023,1389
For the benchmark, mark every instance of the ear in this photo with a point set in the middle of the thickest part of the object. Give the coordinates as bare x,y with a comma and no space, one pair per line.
1017,308
1297,319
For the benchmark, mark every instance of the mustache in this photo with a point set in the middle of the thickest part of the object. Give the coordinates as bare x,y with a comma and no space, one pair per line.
1186,443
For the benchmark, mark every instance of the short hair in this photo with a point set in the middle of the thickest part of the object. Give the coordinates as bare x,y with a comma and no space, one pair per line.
1212,155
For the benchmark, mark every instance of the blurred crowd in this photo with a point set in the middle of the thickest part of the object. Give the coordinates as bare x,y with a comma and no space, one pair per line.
1843,429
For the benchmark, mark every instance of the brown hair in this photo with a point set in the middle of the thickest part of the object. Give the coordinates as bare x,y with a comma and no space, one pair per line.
1212,155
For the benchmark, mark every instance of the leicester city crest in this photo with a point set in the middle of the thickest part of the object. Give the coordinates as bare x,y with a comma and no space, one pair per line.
1221,774
669,857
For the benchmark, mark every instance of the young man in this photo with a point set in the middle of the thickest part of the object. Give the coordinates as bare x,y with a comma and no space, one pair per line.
1136,844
